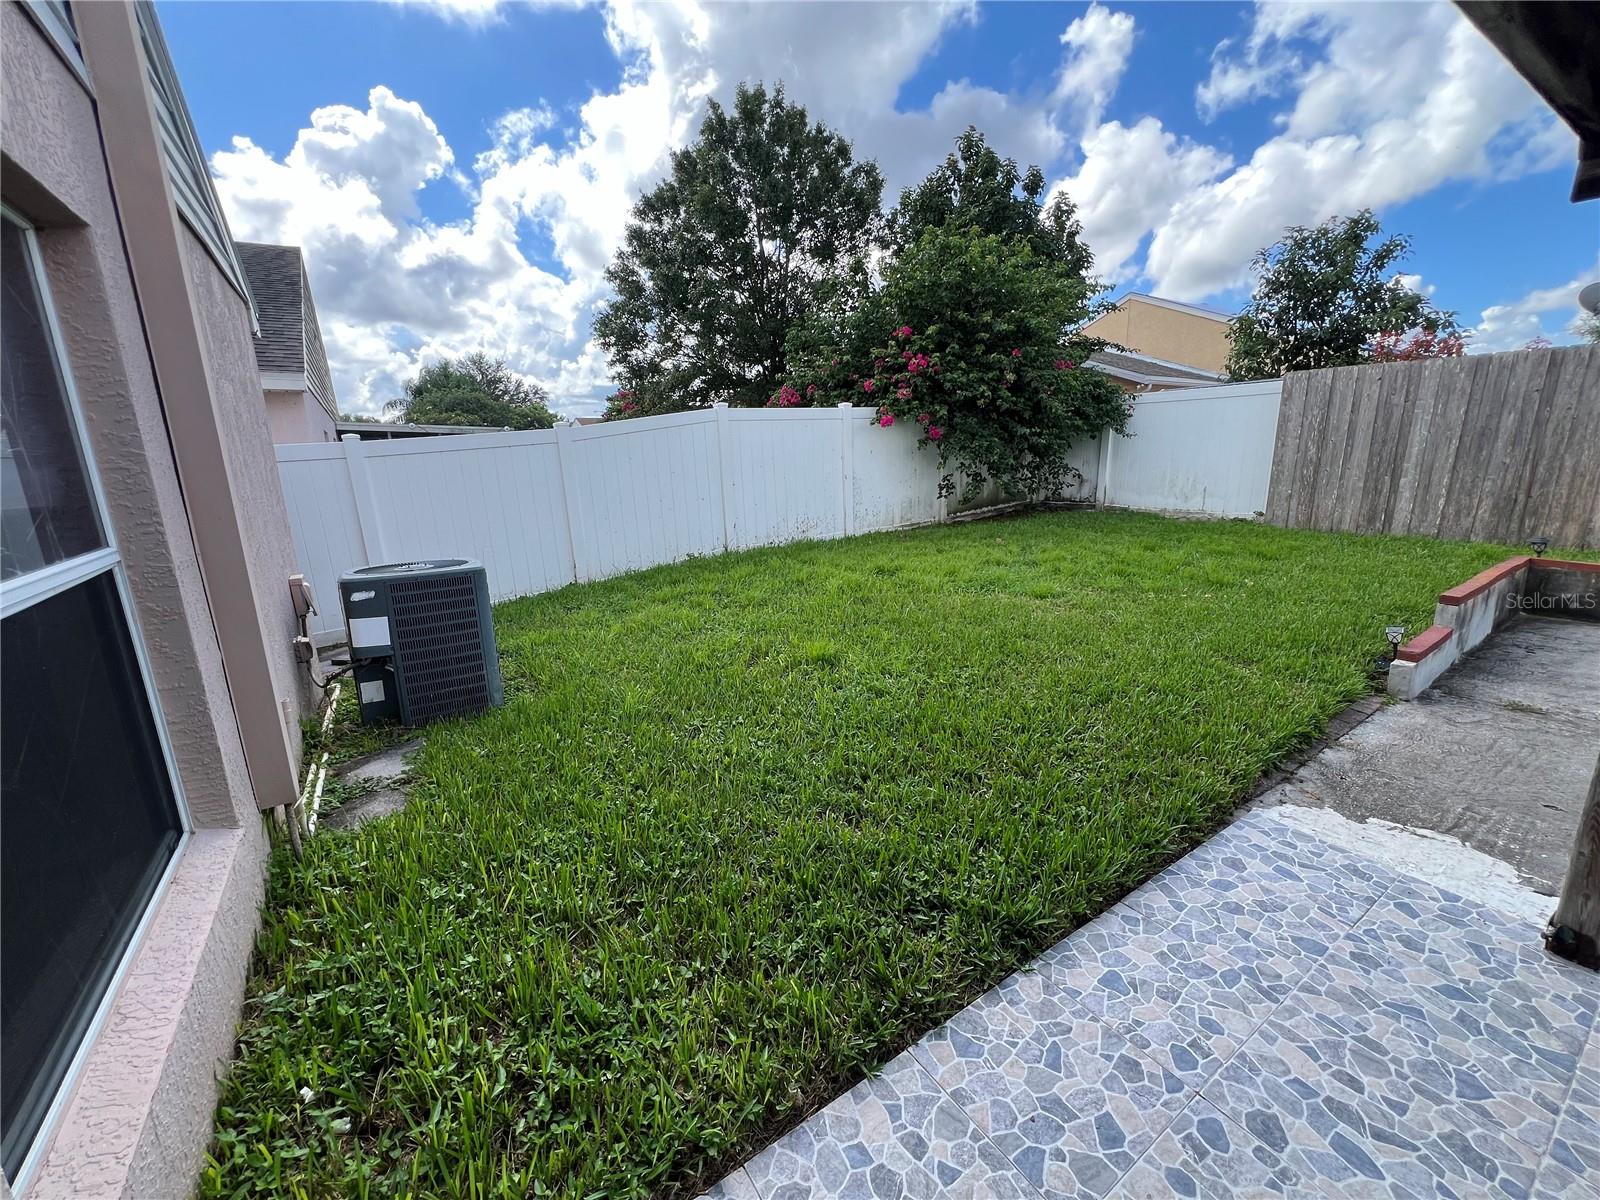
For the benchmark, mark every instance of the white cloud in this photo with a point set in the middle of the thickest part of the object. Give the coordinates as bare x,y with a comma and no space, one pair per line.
1545,312
1099,43
1131,180
1401,98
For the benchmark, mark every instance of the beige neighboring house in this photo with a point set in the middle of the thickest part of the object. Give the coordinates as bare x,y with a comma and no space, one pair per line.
151,693
295,380
1167,344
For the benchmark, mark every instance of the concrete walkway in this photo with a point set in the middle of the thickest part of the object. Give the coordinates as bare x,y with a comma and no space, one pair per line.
1272,1016
1498,753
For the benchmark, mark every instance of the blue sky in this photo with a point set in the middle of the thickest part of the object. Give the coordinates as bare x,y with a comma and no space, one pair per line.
460,173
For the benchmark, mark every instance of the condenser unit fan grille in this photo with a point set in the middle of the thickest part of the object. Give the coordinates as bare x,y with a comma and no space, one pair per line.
438,646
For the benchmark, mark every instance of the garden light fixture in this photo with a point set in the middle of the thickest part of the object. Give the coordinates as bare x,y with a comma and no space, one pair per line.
1394,635
1540,545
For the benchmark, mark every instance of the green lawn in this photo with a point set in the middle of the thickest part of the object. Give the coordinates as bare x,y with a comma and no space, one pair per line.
749,825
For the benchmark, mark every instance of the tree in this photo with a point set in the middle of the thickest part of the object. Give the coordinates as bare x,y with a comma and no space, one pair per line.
977,347
977,187
1323,296
762,219
474,390
1588,327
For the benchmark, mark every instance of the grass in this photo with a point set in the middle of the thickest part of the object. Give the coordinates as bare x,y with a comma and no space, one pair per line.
747,826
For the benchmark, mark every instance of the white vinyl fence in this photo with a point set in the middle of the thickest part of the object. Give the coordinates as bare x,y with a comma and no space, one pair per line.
550,507
1193,450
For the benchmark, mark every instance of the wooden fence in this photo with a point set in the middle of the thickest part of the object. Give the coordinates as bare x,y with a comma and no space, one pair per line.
1489,447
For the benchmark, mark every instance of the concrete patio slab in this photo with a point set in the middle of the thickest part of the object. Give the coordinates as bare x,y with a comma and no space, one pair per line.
1497,754
1274,1015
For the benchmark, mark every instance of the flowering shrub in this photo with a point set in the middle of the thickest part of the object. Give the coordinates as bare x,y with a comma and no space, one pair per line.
974,347
1421,343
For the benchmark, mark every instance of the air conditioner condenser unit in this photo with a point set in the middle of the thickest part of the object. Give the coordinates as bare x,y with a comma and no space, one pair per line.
421,640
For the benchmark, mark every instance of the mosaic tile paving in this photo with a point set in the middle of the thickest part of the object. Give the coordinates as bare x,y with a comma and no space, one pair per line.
1207,1156
1273,1016
1070,1101
895,1135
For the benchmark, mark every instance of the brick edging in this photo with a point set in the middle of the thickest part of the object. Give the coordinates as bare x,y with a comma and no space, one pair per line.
1425,643
1483,580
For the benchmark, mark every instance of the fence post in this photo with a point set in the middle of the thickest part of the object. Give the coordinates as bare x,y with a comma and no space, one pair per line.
367,515
1102,483
569,494
847,467
725,470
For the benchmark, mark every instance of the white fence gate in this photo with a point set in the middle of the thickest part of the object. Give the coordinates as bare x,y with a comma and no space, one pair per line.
550,507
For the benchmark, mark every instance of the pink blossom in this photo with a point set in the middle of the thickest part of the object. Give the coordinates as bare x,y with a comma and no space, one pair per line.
934,433
886,418
628,406
866,385
811,389
1065,364
903,392
917,363
1016,354
904,331
906,354
878,363
923,418
787,397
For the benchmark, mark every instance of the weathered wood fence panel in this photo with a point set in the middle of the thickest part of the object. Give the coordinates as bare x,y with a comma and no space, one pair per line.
1491,447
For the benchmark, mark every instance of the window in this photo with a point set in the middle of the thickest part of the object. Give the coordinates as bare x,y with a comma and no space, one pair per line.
89,810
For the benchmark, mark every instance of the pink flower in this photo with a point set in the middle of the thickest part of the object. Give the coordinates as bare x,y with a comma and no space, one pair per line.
878,363
811,389
886,418
1065,364
906,354
934,433
903,393
917,363
787,397
628,406
1016,354
923,418
866,385
904,331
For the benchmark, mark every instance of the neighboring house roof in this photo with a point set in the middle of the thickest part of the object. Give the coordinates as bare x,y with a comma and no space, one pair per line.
1193,310
289,349
1143,369
375,430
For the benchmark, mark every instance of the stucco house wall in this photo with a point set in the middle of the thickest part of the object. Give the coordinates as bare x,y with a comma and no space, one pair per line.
1165,332
298,417
138,1117
236,394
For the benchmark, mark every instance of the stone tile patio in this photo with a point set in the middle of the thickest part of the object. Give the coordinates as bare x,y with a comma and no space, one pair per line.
1271,1016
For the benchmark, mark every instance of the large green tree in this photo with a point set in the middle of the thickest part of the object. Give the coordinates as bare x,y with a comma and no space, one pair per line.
473,390
1323,297
976,187
764,218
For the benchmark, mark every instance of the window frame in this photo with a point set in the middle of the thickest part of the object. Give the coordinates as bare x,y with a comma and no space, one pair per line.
24,592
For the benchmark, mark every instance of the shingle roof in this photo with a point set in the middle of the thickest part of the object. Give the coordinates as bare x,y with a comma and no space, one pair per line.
291,337
1145,367
275,274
